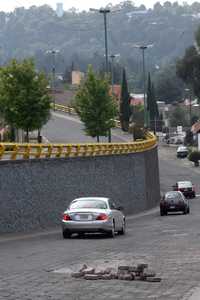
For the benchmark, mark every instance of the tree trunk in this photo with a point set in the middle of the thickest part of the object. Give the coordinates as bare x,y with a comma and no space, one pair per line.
27,136
39,137
97,138
12,134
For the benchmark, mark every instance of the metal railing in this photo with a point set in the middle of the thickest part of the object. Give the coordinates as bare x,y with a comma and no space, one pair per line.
16,151
71,110
63,108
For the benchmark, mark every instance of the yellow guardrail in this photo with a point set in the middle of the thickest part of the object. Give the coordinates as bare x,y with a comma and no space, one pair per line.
71,110
30,151
63,108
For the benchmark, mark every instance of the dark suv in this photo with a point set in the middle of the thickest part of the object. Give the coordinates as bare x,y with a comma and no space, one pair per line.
186,187
173,202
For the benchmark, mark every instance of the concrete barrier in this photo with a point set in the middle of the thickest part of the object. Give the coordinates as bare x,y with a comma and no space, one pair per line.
34,193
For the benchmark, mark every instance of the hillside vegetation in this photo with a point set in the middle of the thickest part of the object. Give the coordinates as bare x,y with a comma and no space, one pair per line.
80,36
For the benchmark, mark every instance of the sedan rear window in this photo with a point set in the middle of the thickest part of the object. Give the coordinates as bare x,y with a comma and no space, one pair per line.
173,196
99,204
184,184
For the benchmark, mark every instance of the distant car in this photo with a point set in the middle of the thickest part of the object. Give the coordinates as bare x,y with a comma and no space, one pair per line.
186,187
182,152
93,214
174,201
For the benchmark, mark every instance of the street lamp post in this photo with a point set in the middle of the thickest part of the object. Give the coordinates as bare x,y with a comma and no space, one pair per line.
190,105
143,48
104,11
53,52
112,56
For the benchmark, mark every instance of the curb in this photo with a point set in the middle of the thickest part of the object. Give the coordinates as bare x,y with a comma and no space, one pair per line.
19,236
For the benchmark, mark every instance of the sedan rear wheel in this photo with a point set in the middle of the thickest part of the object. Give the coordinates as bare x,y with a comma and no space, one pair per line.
163,212
66,234
185,211
123,230
111,233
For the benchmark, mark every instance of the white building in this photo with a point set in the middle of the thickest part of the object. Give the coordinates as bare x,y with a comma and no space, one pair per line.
59,9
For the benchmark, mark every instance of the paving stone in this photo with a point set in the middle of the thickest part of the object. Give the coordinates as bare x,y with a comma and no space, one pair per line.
149,273
141,267
123,268
106,276
108,270
153,279
92,277
77,274
99,271
83,268
132,268
127,277
88,271
114,275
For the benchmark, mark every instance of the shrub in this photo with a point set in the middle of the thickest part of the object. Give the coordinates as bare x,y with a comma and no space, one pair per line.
194,157
138,133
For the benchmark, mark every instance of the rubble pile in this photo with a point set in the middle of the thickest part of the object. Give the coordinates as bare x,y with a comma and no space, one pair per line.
139,272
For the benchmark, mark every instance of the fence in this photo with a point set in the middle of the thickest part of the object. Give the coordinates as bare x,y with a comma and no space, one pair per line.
71,110
30,151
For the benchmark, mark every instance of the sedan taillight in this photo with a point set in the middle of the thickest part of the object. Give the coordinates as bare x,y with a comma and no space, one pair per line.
163,202
102,217
66,217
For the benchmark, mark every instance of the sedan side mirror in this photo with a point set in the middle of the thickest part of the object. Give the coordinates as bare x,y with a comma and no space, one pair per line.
120,208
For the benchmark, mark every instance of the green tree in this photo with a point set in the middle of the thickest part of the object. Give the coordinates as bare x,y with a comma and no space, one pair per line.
178,117
168,86
95,105
24,100
188,68
152,107
124,104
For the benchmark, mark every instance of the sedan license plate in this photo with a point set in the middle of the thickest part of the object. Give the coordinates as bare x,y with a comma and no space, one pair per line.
172,206
83,217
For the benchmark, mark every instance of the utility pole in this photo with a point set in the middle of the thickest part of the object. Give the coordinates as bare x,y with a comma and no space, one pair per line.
105,11
53,52
143,48
190,106
112,56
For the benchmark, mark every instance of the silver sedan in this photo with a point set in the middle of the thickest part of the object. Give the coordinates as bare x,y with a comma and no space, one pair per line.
93,214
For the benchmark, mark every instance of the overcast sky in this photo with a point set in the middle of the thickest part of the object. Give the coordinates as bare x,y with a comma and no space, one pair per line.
9,5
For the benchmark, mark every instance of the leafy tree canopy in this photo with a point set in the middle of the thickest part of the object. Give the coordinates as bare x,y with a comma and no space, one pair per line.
95,105
79,36
24,100
178,117
168,86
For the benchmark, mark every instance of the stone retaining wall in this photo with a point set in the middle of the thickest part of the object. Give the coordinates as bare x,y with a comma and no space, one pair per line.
34,193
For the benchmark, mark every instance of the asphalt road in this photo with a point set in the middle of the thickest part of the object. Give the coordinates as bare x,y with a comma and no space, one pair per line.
65,128
170,245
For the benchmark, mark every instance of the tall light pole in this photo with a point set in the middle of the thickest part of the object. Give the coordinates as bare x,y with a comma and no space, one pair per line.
53,52
112,56
143,48
104,12
190,105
